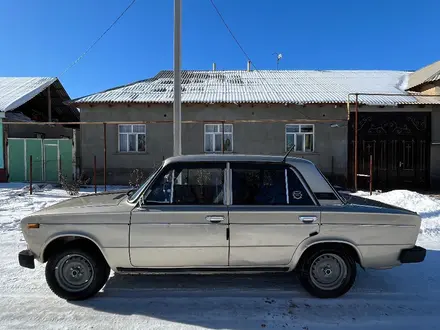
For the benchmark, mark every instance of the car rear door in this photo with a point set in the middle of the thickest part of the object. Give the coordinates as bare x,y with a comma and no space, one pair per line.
271,212
184,219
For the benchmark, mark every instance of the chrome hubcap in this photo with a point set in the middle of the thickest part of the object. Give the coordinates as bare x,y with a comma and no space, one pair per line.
328,271
74,273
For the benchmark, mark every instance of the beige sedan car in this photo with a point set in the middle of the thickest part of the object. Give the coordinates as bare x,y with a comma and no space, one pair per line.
220,214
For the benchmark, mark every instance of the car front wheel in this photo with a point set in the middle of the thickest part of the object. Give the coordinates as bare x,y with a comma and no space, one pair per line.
75,274
327,273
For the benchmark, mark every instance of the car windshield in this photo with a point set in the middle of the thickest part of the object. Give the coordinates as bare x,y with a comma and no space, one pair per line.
141,188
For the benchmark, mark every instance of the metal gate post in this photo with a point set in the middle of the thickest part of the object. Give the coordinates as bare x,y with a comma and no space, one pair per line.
105,157
60,172
371,175
30,174
356,142
223,137
94,172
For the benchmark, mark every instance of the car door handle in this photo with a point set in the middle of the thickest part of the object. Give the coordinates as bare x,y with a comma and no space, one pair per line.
215,218
308,218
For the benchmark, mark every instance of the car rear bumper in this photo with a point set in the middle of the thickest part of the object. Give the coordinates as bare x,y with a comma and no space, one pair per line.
26,259
413,255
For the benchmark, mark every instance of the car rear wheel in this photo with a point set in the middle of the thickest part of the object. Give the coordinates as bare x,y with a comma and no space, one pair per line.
75,274
327,273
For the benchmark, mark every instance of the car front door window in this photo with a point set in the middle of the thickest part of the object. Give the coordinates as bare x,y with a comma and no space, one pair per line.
188,186
161,191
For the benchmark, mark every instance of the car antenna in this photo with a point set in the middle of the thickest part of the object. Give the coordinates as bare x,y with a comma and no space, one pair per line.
287,153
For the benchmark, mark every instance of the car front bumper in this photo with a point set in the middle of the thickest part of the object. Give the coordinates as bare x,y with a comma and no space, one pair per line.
413,255
26,259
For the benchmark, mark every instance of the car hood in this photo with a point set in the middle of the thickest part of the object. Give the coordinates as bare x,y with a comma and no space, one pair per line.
93,200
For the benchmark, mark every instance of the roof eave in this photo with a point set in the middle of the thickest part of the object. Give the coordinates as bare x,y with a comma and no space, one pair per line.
27,97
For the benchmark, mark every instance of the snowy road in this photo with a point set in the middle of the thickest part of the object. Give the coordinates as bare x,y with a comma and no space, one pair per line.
406,297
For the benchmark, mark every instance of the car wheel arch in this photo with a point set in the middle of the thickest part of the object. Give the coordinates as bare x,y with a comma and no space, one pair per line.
307,247
69,240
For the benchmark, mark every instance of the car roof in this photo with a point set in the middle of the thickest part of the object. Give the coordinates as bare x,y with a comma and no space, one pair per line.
235,158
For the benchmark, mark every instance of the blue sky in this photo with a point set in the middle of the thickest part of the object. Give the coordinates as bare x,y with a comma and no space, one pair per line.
41,38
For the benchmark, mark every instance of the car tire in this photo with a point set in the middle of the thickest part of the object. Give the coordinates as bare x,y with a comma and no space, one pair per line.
327,273
76,274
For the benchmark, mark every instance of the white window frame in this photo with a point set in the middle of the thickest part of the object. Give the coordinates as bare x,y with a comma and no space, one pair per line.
219,126
132,133
294,137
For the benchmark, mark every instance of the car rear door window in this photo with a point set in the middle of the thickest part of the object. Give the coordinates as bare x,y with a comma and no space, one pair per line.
298,195
267,184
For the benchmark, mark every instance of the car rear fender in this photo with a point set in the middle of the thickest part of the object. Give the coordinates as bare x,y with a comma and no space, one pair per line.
316,240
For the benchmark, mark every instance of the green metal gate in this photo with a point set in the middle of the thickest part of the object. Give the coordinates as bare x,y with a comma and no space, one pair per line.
50,157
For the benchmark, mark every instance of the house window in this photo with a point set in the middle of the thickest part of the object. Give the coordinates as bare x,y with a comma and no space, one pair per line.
213,137
132,138
302,136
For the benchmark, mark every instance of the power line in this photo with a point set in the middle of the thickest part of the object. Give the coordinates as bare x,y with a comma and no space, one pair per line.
246,55
230,31
97,40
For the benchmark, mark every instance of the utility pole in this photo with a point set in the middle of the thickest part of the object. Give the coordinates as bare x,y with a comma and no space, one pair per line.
177,110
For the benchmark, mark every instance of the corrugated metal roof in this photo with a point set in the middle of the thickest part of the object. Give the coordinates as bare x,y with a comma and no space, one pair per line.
426,74
17,116
15,91
434,77
284,86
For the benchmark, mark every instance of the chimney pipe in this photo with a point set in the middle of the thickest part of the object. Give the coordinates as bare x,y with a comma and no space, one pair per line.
249,65
214,66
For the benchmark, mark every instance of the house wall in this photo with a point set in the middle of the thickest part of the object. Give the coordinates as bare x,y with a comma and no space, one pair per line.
434,89
2,160
248,138
330,153
3,175
431,89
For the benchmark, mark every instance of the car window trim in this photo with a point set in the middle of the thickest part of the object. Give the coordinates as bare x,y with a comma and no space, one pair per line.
286,182
227,195
141,194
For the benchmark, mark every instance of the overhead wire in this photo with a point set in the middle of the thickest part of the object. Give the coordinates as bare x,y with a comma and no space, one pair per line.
98,39
247,56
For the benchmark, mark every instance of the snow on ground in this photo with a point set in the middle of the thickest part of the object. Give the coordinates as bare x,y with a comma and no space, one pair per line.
405,297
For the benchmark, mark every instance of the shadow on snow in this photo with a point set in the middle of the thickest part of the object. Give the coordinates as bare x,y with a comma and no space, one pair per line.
247,301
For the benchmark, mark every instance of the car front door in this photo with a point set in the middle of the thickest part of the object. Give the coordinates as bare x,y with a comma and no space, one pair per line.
271,213
183,220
